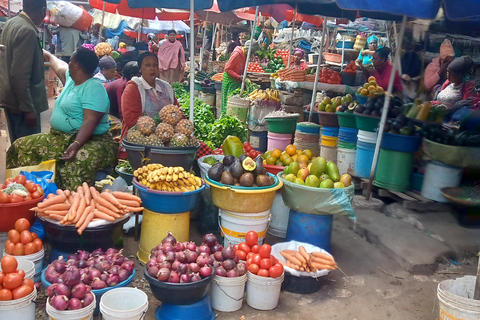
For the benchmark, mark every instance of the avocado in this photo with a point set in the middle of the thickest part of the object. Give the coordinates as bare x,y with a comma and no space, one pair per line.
236,169
242,157
260,169
227,178
246,180
248,164
263,181
228,160
215,172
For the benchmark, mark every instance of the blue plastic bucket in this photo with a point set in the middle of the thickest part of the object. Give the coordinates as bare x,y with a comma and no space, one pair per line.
201,310
347,134
330,131
363,162
310,228
258,140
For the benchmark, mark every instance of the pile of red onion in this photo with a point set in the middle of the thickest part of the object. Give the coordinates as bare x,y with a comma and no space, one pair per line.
178,262
226,262
97,269
63,297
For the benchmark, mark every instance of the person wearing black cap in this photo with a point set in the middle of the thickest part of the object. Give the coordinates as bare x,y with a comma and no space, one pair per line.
107,66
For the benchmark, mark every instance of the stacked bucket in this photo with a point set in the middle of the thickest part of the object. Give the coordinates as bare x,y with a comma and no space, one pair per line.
347,150
329,141
307,136
366,142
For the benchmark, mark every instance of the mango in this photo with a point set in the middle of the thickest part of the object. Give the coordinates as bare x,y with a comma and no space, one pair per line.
303,173
332,171
293,167
290,177
319,166
338,185
324,177
299,181
327,184
232,146
312,181
346,179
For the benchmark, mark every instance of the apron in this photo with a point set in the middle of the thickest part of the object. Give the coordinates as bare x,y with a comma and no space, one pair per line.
155,101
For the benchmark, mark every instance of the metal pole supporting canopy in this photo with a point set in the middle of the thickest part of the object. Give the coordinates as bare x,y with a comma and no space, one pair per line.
249,52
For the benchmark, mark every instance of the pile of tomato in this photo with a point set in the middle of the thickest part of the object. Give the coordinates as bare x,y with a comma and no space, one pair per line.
247,149
284,55
254,67
21,241
329,76
259,258
351,67
13,284
34,191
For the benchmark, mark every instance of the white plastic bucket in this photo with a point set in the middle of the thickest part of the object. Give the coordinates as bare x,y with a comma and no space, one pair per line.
234,225
437,176
456,301
208,98
37,259
280,213
263,293
27,266
346,160
80,314
227,293
20,309
367,136
124,303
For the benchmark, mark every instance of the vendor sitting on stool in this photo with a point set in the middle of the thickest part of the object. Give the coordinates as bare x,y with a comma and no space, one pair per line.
298,62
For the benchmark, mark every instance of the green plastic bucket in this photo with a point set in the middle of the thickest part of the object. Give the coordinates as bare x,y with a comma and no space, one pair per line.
282,125
394,170
366,123
346,119
347,145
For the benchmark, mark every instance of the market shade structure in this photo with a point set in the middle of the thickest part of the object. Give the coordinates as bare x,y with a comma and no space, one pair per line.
122,7
214,15
315,20
277,12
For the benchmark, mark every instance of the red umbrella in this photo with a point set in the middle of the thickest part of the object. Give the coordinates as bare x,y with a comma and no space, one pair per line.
123,9
315,20
277,12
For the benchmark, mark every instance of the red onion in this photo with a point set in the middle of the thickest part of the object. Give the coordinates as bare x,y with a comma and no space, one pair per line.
71,262
75,304
81,264
191,246
103,266
218,256
179,247
72,257
169,239
191,255
168,247
236,259
128,265
104,276
195,278
160,257
210,260
170,256
202,259
159,247
71,276
89,289
221,272
153,270
153,251
85,278
79,291
38,285
165,264
123,274
232,273
175,265
205,271
91,262
98,284
112,280
163,274
94,273
111,251
184,278
150,263
83,255
194,267
114,269
209,239
217,247
228,252
180,256
217,264
98,252
118,259
182,268
204,248
51,290
229,264
59,265
241,268
51,275
59,302
174,277
89,297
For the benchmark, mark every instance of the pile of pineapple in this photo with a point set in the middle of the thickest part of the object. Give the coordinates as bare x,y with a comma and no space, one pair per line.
174,130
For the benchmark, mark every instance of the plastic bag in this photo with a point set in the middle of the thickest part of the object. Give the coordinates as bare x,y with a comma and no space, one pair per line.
69,15
204,167
49,165
256,116
294,245
43,178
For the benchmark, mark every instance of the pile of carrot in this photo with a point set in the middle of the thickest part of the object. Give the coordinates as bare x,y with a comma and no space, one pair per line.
291,75
85,205
301,260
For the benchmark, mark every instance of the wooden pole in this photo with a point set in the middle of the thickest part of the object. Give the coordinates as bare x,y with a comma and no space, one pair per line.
319,63
249,52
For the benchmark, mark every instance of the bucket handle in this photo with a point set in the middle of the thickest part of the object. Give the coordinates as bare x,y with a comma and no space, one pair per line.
228,238
144,313
239,299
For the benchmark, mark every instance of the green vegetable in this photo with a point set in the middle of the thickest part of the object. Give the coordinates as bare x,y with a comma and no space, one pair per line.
210,160
16,188
224,127
124,166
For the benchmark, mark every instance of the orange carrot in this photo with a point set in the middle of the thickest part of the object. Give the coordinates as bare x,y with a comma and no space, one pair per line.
54,200
86,222
80,191
74,207
106,204
323,266
50,196
60,192
300,257
291,258
54,216
67,193
86,192
129,203
323,261
126,196
58,206
56,212
322,255
84,216
104,216
80,210
137,209
304,253
109,197
107,211
93,192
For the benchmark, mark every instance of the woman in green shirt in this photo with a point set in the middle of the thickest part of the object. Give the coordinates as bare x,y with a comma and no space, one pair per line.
79,138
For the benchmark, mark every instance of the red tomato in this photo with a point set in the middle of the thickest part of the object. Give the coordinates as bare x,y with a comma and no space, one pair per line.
274,260
20,272
38,244
14,236
255,248
12,281
39,189
265,250
31,187
2,275
245,144
4,198
34,235
263,273
19,249
250,255
28,282
16,198
249,261
21,292
26,237
275,271
2,186
5,295
22,224
248,148
21,179
266,263
30,248
241,254
9,247
235,247
9,181
244,247
251,238
253,268
256,259
36,195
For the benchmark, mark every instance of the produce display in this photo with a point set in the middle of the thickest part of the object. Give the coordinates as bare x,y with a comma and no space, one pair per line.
301,260
425,112
371,88
81,207
174,130
124,166
332,104
259,258
247,149
374,107
254,67
400,125
217,77
284,55
177,262
291,75
317,174
242,171
19,189
351,67
274,65
268,94
21,241
329,76
13,284
450,136
63,297
171,179
347,104
286,157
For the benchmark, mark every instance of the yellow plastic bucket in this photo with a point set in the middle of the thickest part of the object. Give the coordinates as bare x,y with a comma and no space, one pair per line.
155,227
329,141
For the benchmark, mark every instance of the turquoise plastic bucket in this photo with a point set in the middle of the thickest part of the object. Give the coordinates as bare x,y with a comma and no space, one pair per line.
310,228
363,162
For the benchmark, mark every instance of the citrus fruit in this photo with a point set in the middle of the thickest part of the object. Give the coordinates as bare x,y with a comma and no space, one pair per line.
299,152
308,153
271,160
291,149
365,86
371,78
364,92
370,88
303,159
279,163
372,82
287,161
276,153
283,156
295,157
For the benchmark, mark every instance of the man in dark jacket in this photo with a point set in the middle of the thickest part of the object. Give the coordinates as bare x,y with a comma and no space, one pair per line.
22,84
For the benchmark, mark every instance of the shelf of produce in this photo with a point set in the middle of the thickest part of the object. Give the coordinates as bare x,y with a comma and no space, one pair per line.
258,76
329,88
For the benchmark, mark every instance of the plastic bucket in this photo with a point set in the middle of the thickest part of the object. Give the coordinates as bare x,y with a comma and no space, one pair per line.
155,227
263,293
38,261
455,299
238,108
258,140
328,152
208,98
330,131
218,103
278,140
394,169
437,176
346,160
234,225
329,141
282,125
310,228
367,136
227,293
80,314
27,266
124,303
347,134
346,120
20,309
347,145
364,159
280,212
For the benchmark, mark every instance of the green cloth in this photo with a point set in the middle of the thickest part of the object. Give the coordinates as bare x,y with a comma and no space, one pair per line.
97,154
67,116
229,84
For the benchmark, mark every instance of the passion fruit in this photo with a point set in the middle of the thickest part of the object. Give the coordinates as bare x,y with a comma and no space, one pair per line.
249,164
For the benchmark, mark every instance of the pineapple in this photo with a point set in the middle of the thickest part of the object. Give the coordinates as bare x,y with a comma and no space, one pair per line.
192,141
164,132
171,114
153,140
146,125
135,136
179,140
184,126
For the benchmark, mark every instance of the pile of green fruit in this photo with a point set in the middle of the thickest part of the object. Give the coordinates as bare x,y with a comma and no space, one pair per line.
274,65
241,172
334,104
318,174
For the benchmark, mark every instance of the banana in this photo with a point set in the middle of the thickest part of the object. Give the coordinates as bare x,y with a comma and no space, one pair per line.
174,177
198,181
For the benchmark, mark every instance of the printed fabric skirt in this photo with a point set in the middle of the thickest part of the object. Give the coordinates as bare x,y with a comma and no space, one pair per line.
229,84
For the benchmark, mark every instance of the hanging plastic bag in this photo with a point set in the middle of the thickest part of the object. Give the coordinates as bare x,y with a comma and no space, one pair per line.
49,165
42,178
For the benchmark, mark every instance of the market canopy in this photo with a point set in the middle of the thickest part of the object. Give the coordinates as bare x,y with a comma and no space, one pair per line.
214,15
185,4
121,7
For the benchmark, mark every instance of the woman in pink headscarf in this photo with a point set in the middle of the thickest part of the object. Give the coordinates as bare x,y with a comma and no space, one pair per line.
171,59
436,71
